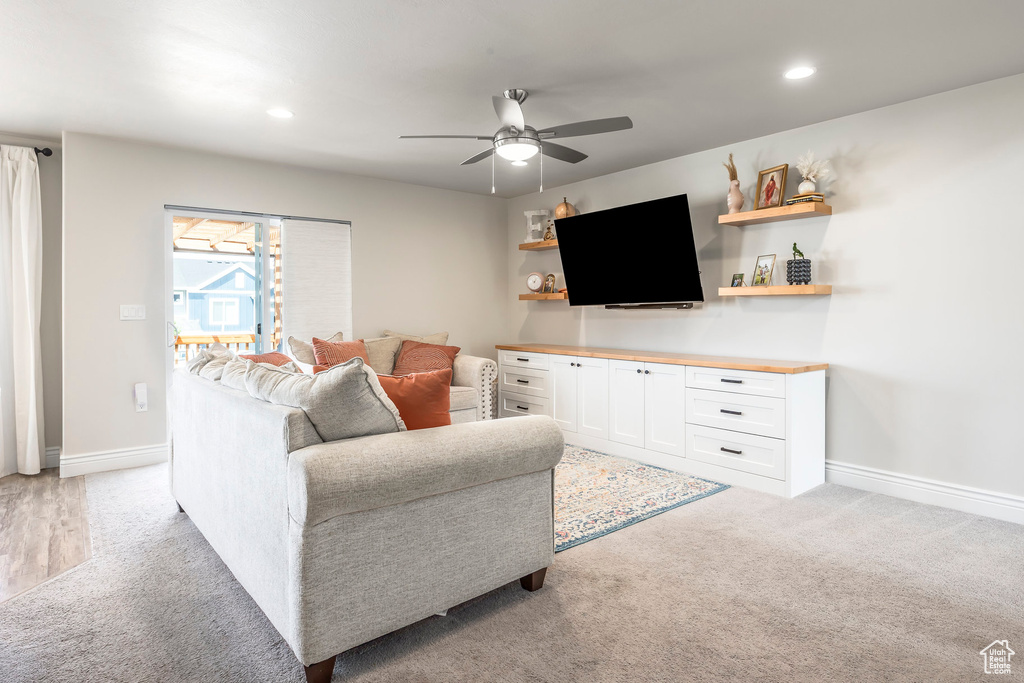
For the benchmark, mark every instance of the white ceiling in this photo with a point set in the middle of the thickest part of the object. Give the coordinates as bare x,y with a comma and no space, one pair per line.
692,75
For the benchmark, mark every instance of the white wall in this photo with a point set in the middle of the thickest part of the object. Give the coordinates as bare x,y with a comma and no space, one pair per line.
925,250
49,328
423,260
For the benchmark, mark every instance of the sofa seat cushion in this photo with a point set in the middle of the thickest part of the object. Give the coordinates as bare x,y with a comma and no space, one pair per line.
343,402
423,399
463,398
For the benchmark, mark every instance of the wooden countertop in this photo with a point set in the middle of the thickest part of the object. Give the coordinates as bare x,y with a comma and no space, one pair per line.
788,367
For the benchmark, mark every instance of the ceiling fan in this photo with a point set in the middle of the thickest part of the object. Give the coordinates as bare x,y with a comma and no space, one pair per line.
517,142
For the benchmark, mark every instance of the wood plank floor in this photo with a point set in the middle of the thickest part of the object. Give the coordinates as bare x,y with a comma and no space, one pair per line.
44,529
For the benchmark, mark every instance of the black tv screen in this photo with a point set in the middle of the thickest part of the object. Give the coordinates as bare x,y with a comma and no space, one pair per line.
630,255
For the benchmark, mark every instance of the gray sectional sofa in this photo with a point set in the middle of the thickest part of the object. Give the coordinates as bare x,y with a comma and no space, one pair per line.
345,541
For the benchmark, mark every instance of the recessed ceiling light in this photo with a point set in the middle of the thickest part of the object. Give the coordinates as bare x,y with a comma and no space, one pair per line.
280,113
519,162
800,72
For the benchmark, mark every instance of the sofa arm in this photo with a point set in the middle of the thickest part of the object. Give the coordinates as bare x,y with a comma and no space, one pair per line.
481,374
342,477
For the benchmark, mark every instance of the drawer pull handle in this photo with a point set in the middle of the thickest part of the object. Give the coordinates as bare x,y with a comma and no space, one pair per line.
522,407
524,360
731,412
522,381
732,381
647,372
729,450
572,365
638,371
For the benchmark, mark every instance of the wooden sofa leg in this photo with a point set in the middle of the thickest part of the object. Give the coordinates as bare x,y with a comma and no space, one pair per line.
533,582
320,672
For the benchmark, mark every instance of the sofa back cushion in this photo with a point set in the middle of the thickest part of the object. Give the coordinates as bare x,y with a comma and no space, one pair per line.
335,353
302,351
423,399
420,357
342,402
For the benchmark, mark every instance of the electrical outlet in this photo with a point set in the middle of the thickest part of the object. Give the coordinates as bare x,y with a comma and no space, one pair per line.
141,394
133,312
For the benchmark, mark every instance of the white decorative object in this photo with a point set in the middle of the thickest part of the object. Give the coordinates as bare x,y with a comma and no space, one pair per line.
535,224
811,170
734,200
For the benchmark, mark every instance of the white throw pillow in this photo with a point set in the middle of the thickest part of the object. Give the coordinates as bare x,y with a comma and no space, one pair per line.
233,374
439,338
382,353
215,350
302,351
342,402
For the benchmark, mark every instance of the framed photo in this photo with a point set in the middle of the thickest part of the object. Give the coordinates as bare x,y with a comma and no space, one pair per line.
737,280
763,270
549,284
771,185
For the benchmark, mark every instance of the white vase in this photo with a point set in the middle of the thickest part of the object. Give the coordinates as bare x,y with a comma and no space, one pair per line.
734,199
805,187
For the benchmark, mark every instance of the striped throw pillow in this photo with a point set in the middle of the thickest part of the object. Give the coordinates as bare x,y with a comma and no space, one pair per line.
419,357
335,353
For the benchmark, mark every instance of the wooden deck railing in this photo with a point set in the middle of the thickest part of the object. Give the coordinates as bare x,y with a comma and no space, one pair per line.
199,341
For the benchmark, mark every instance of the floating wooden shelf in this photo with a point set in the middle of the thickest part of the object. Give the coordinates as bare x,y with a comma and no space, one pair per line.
776,290
544,297
539,246
782,213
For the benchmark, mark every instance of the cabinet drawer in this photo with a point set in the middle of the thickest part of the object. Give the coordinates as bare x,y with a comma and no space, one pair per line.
746,452
525,381
523,359
511,405
750,414
770,384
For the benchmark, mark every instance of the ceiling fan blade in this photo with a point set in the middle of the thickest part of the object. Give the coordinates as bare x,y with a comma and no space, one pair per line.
561,152
509,112
593,127
466,137
478,157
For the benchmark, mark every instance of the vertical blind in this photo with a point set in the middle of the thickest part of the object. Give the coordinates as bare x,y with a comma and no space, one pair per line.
316,279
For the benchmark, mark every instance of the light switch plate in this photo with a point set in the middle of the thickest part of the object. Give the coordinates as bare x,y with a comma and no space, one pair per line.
133,312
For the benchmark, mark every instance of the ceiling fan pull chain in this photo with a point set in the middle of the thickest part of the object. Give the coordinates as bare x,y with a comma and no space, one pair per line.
492,174
542,168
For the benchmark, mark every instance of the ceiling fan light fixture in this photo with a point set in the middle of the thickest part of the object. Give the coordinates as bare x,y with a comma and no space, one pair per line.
519,162
516,149
796,73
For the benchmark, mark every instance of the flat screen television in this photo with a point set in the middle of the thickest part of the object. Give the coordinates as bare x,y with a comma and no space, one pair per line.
636,255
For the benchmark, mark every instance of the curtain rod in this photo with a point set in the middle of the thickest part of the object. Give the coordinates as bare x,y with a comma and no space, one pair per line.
45,151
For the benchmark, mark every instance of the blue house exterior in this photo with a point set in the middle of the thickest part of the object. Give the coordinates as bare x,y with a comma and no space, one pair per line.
214,296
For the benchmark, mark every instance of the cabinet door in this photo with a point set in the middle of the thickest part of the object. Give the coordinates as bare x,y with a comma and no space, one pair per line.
592,397
564,377
626,402
665,408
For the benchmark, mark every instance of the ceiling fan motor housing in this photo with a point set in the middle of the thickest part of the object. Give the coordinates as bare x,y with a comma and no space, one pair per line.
511,137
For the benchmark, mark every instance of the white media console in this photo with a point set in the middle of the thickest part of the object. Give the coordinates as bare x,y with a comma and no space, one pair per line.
753,423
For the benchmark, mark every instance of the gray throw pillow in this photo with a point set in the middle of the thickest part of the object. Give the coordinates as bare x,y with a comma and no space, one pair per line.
342,402
233,375
213,369
302,351
382,353
215,350
439,338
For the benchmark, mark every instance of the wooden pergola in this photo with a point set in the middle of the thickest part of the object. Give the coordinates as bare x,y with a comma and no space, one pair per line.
229,237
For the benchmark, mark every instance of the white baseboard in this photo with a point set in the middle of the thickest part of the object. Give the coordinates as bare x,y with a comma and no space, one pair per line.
104,461
52,457
1002,506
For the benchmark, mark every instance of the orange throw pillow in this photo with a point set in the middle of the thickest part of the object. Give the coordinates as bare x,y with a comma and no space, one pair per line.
420,357
422,399
334,353
274,358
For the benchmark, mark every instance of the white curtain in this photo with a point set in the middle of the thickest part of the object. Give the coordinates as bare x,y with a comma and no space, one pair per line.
21,280
316,274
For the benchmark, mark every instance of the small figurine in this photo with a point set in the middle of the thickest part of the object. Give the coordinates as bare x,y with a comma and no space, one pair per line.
549,234
796,252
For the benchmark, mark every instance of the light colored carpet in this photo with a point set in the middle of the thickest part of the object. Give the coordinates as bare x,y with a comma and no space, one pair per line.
597,493
836,585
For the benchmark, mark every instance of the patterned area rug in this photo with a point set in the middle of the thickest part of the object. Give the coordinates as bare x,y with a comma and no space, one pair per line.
596,494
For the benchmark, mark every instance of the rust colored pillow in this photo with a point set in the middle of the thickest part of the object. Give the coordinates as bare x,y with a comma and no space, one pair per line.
334,353
274,358
420,357
320,368
423,399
